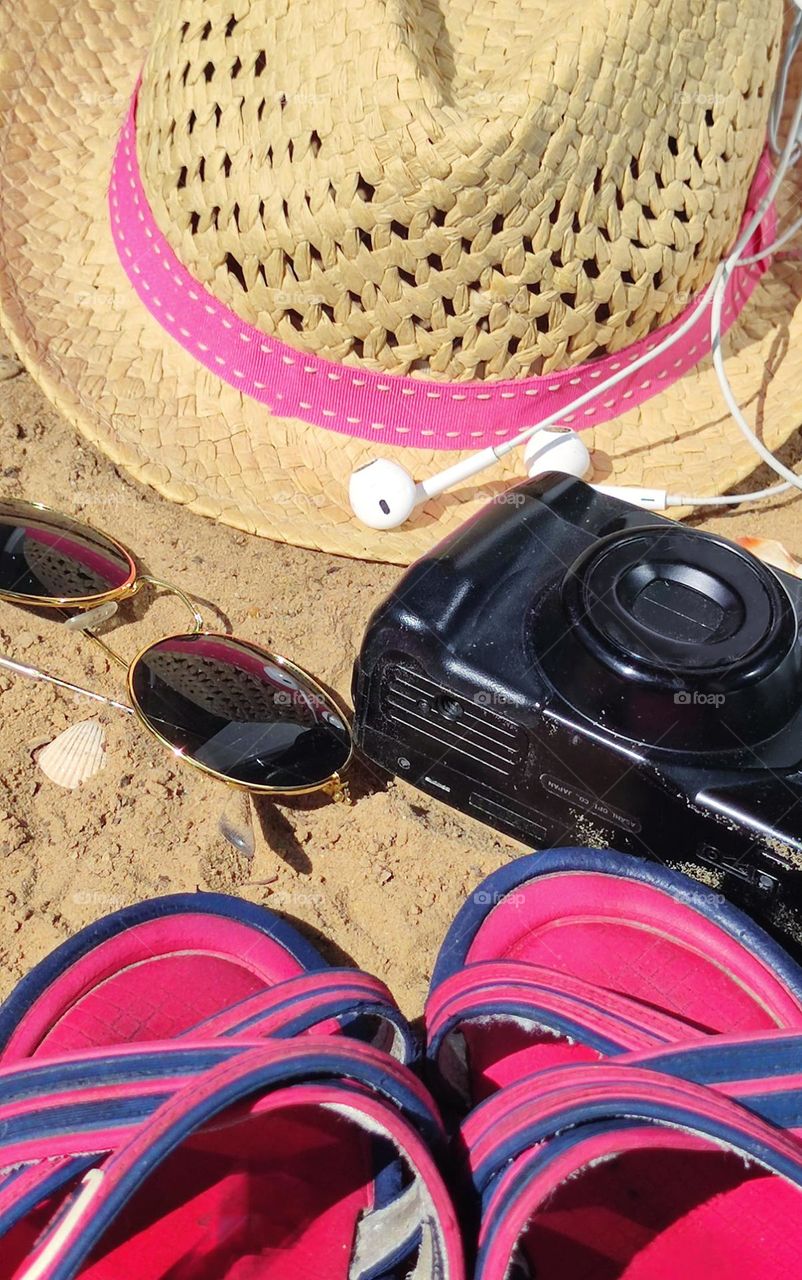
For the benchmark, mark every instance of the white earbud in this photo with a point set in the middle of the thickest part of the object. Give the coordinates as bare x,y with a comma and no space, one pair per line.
382,494
557,449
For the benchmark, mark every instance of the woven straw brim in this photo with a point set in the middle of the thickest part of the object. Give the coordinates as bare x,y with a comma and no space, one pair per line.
66,76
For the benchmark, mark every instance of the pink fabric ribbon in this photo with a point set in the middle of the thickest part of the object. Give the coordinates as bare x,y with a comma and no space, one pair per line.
389,408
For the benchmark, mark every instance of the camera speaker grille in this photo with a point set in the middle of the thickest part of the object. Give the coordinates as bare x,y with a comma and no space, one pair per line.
465,727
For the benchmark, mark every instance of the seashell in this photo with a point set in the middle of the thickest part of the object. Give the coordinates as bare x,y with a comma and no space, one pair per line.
772,552
75,755
9,367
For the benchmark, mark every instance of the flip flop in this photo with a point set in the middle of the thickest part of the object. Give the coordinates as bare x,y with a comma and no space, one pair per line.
272,1163
154,967
54,1111
647,935
625,1174
169,965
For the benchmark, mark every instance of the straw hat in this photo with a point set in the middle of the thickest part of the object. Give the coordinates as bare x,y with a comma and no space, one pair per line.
449,198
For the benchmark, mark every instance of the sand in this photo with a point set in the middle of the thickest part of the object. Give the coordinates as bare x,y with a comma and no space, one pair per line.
375,884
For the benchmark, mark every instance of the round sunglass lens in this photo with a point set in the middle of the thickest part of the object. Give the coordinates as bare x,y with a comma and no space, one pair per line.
47,556
238,711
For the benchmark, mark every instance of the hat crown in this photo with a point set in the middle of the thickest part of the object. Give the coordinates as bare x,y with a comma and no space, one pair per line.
455,188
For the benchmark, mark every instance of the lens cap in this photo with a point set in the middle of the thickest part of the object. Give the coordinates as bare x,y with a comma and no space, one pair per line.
660,619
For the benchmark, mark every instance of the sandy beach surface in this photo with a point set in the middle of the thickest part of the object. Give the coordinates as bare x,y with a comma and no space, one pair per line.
376,883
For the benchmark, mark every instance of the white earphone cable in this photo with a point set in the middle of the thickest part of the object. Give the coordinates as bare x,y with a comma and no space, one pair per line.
788,158
443,480
438,483
777,244
781,90
727,499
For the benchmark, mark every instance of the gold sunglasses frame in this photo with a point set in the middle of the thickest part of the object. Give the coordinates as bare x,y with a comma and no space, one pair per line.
333,785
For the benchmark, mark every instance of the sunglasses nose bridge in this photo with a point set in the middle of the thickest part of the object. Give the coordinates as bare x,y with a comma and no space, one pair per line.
160,585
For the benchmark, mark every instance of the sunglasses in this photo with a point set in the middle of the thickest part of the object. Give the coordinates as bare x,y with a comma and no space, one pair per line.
225,706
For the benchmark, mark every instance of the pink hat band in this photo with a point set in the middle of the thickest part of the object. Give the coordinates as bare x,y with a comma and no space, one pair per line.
383,407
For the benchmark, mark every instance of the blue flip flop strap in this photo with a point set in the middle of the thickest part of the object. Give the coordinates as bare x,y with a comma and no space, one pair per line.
773,1061
536,1128
529,1012
286,1010
159,1072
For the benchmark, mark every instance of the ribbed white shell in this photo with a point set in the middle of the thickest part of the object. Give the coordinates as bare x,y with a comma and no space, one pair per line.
75,755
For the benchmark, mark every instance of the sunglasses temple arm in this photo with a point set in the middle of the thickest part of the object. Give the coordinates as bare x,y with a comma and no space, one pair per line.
33,673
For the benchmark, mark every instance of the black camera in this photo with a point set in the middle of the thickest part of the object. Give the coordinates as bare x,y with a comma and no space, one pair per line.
573,670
